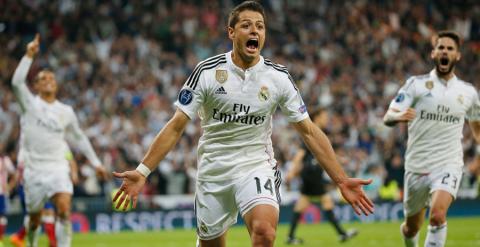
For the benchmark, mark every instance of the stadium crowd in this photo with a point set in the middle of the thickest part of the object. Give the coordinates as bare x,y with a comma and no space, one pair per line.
120,64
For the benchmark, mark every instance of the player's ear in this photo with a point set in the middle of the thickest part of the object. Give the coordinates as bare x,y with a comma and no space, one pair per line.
432,53
459,56
231,33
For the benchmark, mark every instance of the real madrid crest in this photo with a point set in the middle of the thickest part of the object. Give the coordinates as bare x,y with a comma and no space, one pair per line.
429,85
203,227
221,75
460,99
263,95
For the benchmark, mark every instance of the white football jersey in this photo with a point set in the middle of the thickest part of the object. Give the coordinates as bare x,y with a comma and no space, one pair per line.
435,135
236,107
43,127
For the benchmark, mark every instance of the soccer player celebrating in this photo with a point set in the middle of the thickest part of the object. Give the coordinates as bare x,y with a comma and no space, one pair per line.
435,106
235,95
314,186
48,212
44,124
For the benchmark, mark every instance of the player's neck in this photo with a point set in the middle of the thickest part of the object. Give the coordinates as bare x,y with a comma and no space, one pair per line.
445,77
48,97
243,63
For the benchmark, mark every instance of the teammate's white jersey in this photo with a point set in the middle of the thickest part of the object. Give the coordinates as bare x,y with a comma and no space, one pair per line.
43,127
235,107
434,136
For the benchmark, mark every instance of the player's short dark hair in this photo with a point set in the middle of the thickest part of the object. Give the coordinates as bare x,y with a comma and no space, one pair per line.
247,5
449,34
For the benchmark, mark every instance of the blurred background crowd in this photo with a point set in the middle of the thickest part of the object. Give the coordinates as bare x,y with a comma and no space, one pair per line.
121,63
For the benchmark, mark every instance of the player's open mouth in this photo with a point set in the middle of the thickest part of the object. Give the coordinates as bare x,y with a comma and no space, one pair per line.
252,45
444,61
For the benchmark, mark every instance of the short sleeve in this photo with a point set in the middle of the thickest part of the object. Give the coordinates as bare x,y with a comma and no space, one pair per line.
405,96
191,96
473,113
291,102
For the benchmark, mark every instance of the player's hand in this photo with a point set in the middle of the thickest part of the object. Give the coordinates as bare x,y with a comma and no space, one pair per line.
132,183
289,178
101,173
352,192
407,115
33,47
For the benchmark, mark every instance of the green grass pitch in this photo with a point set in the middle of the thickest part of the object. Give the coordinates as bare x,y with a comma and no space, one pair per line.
462,232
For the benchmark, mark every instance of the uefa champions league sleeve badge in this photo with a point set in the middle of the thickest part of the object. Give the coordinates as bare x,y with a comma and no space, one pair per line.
185,96
400,97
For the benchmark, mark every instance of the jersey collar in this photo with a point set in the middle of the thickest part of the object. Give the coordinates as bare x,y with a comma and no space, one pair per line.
433,74
254,68
45,102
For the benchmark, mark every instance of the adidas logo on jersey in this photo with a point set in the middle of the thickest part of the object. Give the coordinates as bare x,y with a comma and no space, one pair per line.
220,90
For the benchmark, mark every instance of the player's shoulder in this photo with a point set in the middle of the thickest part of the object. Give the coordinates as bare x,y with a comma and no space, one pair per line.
280,75
419,78
468,88
279,72
205,66
416,79
426,76
211,62
276,67
467,85
63,106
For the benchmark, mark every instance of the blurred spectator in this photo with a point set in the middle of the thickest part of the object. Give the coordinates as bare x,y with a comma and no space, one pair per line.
122,64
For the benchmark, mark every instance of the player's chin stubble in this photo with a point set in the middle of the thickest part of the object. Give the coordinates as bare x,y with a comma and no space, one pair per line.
438,64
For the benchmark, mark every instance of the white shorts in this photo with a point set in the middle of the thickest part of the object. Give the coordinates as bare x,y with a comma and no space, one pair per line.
40,186
419,187
217,204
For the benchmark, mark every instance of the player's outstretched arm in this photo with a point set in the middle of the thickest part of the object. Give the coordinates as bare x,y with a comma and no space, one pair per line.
351,188
20,89
81,141
393,116
134,180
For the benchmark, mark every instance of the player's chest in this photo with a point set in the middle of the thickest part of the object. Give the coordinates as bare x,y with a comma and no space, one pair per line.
244,95
50,118
444,99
